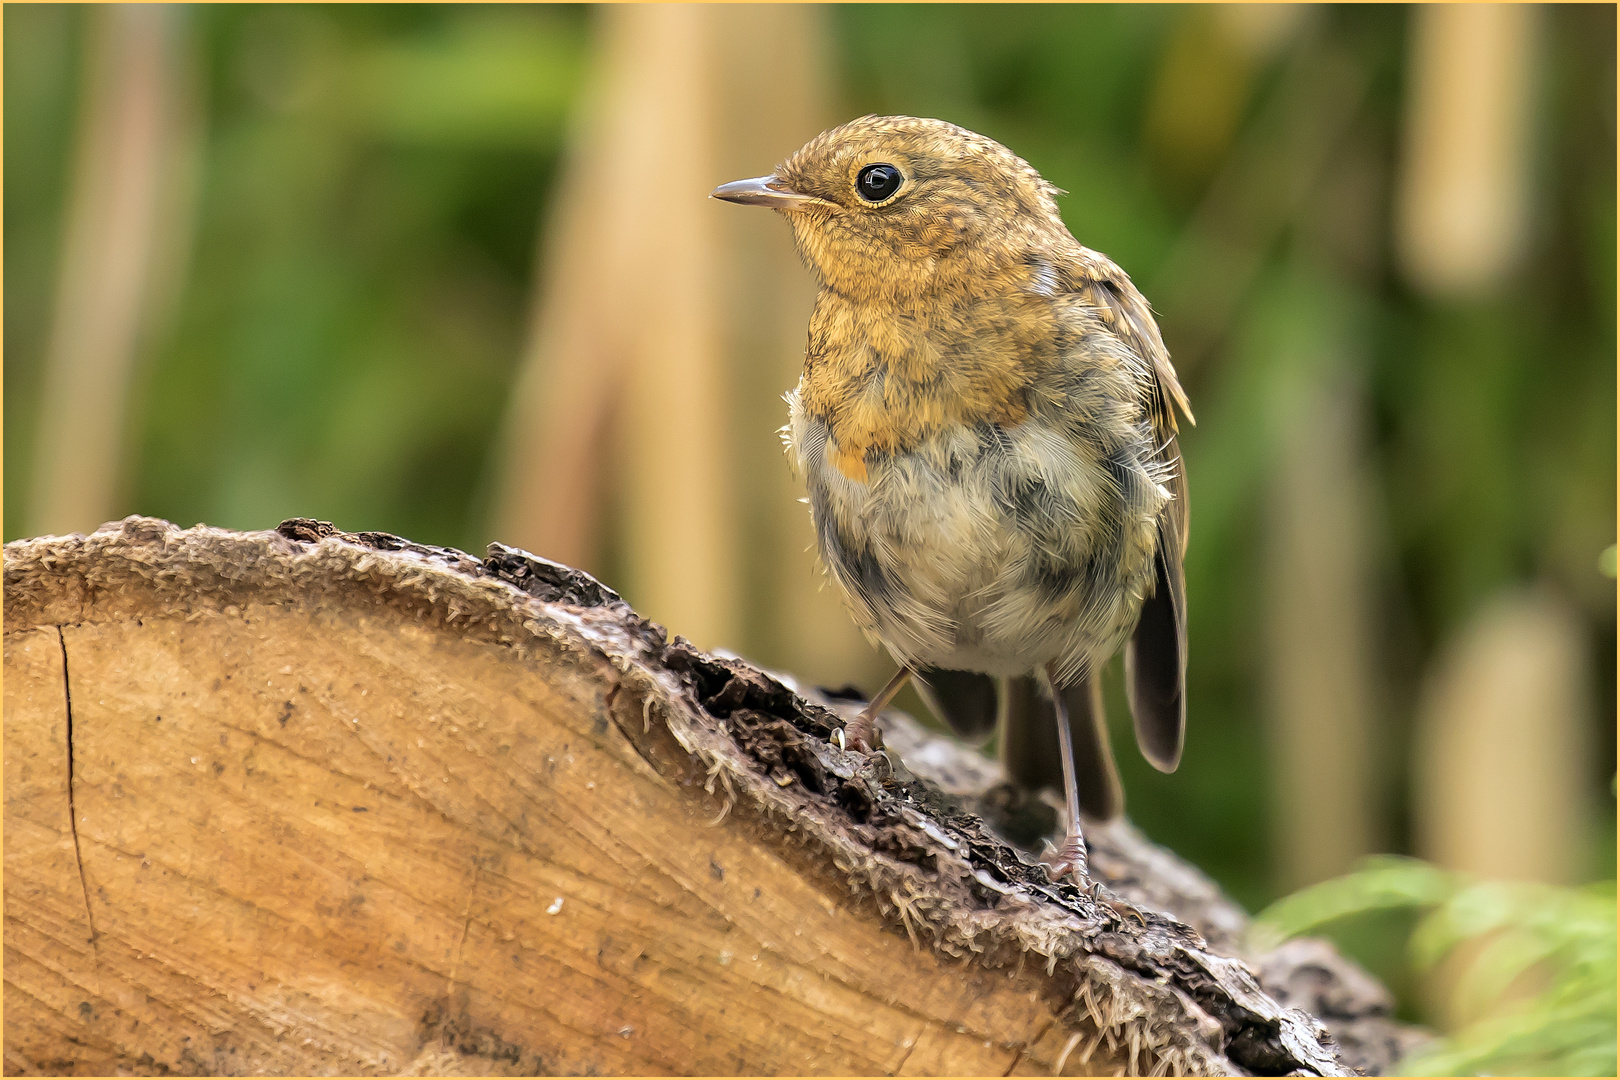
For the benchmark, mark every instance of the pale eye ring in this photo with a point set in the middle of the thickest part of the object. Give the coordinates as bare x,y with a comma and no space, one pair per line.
877,182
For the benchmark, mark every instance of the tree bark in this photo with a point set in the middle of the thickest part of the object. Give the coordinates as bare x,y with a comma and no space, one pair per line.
309,802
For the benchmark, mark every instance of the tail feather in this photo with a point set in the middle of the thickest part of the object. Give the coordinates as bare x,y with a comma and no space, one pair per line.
1029,745
966,700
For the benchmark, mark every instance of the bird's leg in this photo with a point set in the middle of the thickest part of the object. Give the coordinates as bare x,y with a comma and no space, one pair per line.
861,733
1070,857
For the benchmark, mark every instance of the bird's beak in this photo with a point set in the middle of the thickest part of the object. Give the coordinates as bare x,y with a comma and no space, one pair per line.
766,191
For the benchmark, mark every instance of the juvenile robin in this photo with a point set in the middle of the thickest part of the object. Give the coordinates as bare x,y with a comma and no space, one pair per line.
986,425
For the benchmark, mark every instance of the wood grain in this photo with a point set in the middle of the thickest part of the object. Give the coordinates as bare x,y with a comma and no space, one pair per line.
458,830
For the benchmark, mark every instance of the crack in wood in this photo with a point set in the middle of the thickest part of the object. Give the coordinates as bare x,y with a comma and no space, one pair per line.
915,1039
1023,1051
461,942
73,814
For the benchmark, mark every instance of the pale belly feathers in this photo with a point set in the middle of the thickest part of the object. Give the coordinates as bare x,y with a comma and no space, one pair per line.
994,548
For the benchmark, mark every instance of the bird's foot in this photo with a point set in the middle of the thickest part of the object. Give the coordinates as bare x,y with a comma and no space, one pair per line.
861,734
1066,860
1069,860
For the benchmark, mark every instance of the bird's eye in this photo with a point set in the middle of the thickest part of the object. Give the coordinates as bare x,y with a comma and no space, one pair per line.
877,182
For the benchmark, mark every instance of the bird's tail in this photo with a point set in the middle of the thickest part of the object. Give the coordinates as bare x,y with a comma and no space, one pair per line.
971,704
1029,743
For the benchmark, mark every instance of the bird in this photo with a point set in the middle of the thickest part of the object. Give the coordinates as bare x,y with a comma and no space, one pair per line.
986,426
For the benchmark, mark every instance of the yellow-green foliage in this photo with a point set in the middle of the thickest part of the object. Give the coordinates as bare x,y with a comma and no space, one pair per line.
1567,1029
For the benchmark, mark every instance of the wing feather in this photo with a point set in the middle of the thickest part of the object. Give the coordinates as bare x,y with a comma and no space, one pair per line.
1156,655
1128,315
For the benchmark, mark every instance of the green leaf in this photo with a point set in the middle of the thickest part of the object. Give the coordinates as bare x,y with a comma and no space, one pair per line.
1567,1029
1472,912
1494,968
1380,883
1574,1039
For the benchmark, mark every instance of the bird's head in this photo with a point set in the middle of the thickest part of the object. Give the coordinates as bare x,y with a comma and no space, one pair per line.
895,206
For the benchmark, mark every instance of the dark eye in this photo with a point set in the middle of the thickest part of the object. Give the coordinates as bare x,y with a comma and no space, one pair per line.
877,182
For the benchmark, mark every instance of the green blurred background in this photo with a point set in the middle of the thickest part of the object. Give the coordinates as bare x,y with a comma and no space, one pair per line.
412,268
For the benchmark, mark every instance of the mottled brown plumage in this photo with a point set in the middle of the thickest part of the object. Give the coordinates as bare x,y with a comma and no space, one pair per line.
986,427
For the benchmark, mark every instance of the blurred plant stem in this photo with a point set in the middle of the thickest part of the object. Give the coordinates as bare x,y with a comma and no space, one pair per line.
664,332
127,230
1503,744
1502,751
623,375
1319,662
1462,201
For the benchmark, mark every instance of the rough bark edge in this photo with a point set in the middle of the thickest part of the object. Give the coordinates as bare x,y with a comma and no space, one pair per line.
1303,973
1144,981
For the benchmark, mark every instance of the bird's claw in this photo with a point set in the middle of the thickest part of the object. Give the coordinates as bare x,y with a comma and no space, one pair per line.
1122,909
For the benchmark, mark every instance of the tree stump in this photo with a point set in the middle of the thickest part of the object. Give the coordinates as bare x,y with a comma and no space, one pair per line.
308,802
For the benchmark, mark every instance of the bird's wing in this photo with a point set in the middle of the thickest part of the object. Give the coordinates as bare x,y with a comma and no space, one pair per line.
1127,314
1156,655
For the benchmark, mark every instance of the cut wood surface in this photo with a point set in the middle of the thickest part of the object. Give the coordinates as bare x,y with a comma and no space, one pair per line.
306,802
